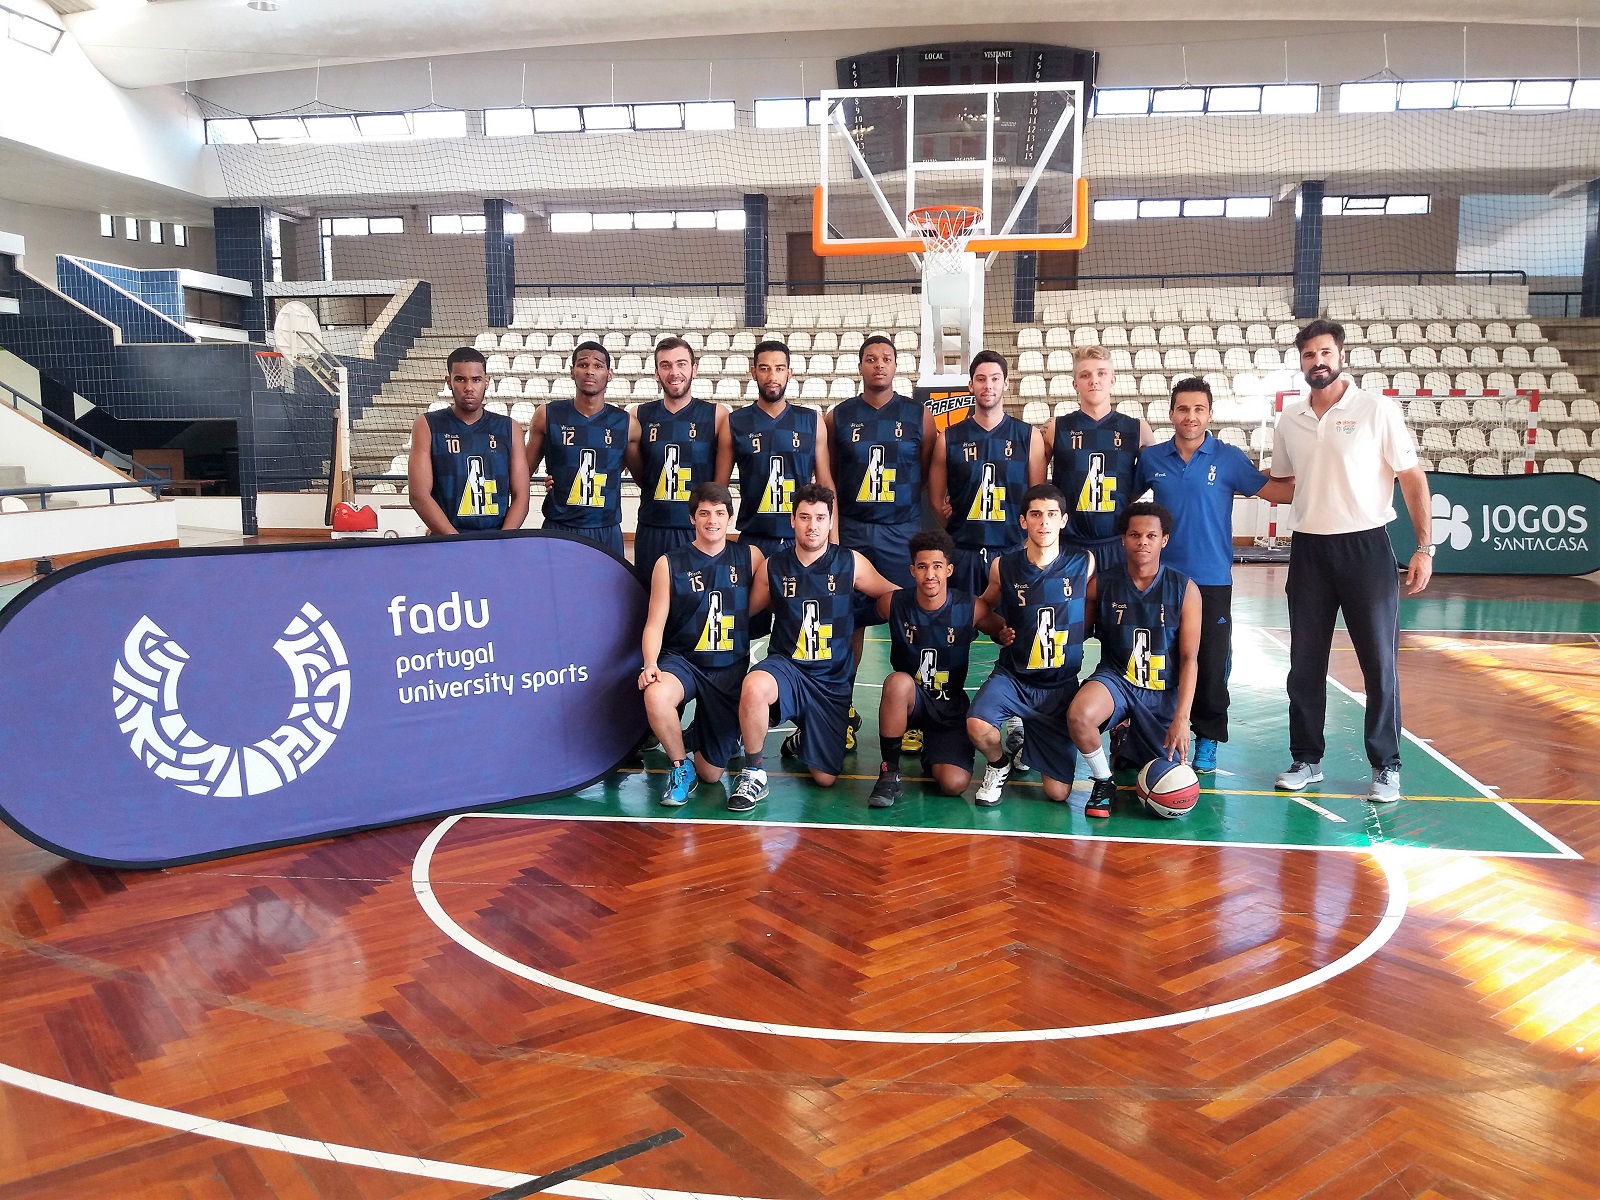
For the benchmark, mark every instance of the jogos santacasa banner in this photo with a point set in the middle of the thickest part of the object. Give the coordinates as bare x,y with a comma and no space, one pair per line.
164,707
1508,525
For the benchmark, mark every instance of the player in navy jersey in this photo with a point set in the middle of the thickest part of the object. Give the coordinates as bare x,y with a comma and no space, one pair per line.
808,666
1038,591
697,641
931,627
467,469
1195,477
1094,453
585,444
1147,617
879,446
778,447
683,442
981,466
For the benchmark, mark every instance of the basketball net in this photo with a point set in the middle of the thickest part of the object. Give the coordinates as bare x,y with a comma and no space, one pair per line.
945,231
277,370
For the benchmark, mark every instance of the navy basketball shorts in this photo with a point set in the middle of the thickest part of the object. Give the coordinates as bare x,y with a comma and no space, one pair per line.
886,547
715,728
1148,713
1047,747
819,710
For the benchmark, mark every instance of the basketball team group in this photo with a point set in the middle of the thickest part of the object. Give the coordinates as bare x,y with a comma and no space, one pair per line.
1047,539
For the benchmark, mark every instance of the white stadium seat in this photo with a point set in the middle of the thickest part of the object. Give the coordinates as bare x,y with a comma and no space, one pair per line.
1201,335
1488,465
1030,362
1061,385
1393,356
1436,381
1147,360
1454,466
1500,381
522,412
485,342
1556,466
1170,335
1527,331
498,364
841,389
1036,412
511,341
1547,356
1031,385
1029,338
1113,335
1059,362
1177,360
1532,381
1564,383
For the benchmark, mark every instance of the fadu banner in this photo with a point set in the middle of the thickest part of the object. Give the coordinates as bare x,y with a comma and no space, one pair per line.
1507,525
164,707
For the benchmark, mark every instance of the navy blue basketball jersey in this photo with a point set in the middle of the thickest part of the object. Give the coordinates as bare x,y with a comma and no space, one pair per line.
1093,464
1045,606
471,467
1138,631
987,470
876,454
773,456
679,450
932,647
584,455
708,621
811,620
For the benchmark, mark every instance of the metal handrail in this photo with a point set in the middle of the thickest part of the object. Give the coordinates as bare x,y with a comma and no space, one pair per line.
44,493
104,451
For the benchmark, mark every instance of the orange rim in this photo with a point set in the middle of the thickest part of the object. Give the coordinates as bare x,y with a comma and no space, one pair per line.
978,245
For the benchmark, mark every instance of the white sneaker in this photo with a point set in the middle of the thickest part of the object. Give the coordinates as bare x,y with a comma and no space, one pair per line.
1385,787
994,782
1298,776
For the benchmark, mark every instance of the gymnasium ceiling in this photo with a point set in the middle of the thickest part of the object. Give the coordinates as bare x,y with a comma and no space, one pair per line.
174,41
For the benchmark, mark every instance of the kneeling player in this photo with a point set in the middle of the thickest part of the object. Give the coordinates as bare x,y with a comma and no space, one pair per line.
697,641
1143,614
1038,591
931,627
808,666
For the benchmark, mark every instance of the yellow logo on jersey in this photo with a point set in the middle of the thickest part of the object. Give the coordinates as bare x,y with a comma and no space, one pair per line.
778,495
929,678
1098,493
673,482
1145,669
477,498
718,631
814,642
588,485
1049,644
877,485
990,502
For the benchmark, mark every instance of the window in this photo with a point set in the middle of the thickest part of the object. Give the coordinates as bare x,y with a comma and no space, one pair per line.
448,223
507,122
1270,98
8,276
130,228
658,116
571,222
362,226
180,235
1248,207
108,225
386,225
155,232
613,221
1116,210
337,127
275,234
213,308
1436,93
1374,206
789,113
1423,94
1178,100
723,219
710,115
1238,207
1122,102
1368,97
557,120
604,118
1279,98
30,31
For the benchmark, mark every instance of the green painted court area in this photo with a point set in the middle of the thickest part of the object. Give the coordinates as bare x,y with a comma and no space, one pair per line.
1238,805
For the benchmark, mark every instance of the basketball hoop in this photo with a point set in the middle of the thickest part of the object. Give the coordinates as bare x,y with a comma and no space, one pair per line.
276,369
945,230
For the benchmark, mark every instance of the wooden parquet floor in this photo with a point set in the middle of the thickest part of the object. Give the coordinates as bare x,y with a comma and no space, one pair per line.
305,992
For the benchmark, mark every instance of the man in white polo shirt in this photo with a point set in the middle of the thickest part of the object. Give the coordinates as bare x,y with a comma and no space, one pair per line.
1343,449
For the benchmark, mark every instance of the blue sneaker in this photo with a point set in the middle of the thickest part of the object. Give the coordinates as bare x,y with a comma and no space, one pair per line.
1205,754
681,783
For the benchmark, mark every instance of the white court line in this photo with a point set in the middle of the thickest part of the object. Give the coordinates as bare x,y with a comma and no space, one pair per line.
1303,802
1561,848
422,886
334,1152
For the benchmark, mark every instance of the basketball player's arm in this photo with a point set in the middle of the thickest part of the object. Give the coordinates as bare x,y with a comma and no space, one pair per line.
825,447
655,621
986,610
939,480
1176,743
419,479
760,586
723,471
823,471
633,456
1277,491
868,582
535,446
520,486
1147,436
1414,487
1036,457
930,433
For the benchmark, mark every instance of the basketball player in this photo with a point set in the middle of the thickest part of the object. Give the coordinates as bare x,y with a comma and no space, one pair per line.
467,470
585,443
697,643
1093,455
1195,477
683,442
1146,615
931,627
1038,590
808,666
879,446
777,447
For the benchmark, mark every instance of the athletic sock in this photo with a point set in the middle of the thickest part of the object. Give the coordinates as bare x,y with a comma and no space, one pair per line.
889,747
752,762
1095,760
1003,761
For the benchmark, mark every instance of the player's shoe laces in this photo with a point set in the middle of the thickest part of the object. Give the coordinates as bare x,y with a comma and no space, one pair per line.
1205,754
790,747
994,782
752,786
850,727
1101,795
911,743
1385,787
681,783
886,791
1014,741
1298,776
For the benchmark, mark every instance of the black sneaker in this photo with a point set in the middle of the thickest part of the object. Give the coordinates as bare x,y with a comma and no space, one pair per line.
791,745
886,791
852,724
1100,798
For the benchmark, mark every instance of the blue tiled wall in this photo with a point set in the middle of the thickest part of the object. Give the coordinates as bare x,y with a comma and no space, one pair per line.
244,252
105,293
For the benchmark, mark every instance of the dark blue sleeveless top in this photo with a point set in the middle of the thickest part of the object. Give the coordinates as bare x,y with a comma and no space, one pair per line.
471,467
708,621
932,647
773,456
987,470
876,455
1045,606
1093,463
1138,631
584,455
811,620
679,450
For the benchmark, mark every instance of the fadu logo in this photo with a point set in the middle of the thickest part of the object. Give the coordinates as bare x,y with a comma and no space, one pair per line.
1451,523
144,692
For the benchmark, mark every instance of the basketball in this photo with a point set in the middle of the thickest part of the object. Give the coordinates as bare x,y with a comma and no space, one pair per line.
1170,788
